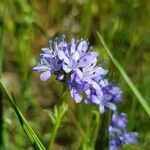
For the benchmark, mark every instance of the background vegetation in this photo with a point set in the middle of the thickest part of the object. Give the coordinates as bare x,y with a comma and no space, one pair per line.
26,26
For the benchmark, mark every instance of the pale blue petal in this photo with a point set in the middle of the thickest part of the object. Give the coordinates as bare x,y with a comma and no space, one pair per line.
111,106
79,73
82,47
75,95
73,46
88,59
131,138
46,50
75,56
62,56
101,108
66,68
45,75
40,68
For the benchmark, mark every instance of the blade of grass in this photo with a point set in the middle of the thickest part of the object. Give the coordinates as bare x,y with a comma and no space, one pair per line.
2,30
36,143
134,89
1,120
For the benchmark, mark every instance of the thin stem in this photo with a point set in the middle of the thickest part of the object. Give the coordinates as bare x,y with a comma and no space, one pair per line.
102,139
1,93
58,120
54,133
1,120
134,89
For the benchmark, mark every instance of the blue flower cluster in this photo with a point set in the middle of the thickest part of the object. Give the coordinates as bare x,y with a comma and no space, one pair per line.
118,134
76,65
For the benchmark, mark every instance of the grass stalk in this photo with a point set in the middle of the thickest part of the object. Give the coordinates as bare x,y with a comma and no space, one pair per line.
102,138
134,89
1,120
1,93
35,141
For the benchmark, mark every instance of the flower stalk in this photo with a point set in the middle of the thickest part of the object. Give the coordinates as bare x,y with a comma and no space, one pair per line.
102,139
1,120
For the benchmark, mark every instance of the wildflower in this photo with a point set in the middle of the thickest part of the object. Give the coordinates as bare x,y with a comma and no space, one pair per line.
76,56
119,120
98,99
76,66
49,62
92,73
118,134
124,138
76,86
111,93
104,94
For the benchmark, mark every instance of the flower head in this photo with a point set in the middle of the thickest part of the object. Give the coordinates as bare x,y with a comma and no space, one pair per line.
48,63
118,134
76,55
76,66
119,120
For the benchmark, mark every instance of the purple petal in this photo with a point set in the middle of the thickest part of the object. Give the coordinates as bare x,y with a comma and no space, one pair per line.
60,77
73,46
97,72
75,78
46,56
88,59
95,99
45,75
46,50
62,56
116,93
75,56
104,83
119,120
79,73
66,68
81,86
130,138
82,47
97,89
114,132
115,144
110,106
101,108
40,68
75,95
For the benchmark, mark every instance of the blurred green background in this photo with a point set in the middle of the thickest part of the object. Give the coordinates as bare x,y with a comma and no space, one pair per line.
27,25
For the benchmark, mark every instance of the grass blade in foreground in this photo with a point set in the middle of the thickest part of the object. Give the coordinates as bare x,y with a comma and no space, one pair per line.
126,77
36,143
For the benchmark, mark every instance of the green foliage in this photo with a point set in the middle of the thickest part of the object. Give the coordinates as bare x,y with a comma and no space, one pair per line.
56,118
26,26
36,143
127,79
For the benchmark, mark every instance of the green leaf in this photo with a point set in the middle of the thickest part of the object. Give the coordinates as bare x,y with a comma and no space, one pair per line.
36,143
56,117
134,89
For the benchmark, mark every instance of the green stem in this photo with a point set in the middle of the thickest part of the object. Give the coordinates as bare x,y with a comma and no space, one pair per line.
1,93
1,120
102,139
57,125
53,136
134,89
